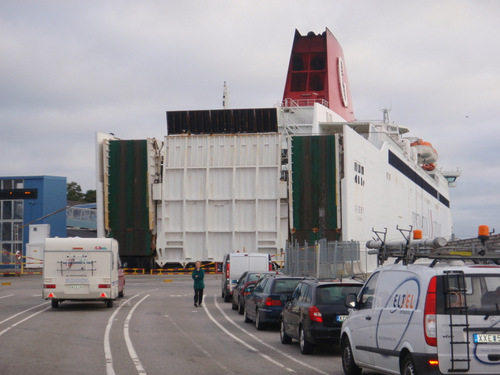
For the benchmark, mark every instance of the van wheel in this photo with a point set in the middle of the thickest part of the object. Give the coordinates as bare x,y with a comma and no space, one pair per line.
227,298
284,338
55,303
305,346
350,367
109,303
408,367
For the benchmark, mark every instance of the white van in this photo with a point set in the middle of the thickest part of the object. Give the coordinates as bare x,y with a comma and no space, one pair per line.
233,266
82,269
442,317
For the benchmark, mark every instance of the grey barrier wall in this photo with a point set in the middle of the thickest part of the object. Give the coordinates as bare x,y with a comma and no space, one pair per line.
324,260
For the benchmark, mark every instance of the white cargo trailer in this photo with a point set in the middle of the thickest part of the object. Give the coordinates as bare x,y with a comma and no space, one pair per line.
82,269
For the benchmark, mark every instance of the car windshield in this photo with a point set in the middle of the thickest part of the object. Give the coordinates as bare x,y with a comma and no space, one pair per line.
253,277
335,294
285,286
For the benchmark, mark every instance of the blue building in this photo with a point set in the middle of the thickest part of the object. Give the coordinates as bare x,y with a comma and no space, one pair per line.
26,200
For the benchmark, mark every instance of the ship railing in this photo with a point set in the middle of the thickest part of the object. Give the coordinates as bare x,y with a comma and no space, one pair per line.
287,103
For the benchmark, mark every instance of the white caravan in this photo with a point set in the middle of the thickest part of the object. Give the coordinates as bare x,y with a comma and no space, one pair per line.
82,269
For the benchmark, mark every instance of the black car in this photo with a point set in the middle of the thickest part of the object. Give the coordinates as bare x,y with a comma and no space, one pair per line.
314,313
267,298
248,278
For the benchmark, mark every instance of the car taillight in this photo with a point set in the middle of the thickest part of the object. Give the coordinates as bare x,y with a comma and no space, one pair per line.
273,302
104,286
315,314
227,271
49,286
430,325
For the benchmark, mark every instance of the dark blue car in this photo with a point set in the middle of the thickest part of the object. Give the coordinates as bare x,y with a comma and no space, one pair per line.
266,300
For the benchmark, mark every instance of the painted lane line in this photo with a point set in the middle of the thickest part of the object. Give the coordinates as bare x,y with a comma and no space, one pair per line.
238,339
265,343
197,345
276,362
23,320
8,295
22,312
226,331
128,342
107,346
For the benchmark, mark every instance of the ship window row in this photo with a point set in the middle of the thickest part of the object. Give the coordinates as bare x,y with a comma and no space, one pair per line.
359,180
358,168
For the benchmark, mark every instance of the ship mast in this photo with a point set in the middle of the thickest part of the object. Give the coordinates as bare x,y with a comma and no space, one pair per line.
225,96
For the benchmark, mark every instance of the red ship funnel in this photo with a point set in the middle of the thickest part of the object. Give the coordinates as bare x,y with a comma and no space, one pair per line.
317,74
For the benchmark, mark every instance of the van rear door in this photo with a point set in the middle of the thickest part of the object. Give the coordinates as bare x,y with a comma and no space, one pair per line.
468,323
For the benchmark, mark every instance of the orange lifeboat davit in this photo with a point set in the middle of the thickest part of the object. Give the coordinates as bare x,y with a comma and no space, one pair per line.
427,155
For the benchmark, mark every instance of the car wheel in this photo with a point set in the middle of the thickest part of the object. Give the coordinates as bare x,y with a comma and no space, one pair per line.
241,308
121,294
258,322
284,338
54,303
247,319
408,367
234,306
305,346
350,367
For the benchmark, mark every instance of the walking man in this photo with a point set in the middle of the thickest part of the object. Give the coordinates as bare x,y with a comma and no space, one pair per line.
199,284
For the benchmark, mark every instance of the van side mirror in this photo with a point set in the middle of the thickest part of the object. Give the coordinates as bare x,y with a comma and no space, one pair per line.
351,301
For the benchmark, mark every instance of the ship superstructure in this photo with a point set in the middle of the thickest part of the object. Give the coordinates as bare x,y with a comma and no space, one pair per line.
254,179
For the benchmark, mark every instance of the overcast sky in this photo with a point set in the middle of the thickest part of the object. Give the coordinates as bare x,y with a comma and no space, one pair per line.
71,68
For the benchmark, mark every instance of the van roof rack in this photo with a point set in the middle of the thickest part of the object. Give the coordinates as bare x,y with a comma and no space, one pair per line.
485,249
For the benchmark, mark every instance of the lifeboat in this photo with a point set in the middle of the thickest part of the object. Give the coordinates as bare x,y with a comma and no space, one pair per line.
427,155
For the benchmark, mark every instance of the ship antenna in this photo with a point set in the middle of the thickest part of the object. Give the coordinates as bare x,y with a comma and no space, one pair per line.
386,112
225,96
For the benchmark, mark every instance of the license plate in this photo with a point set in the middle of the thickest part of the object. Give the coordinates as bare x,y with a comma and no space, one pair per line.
76,286
490,338
341,318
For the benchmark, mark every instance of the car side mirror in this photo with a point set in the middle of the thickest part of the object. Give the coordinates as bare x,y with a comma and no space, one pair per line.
351,301
249,288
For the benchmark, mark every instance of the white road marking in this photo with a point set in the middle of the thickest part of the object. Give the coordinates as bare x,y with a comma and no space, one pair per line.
23,320
8,295
266,344
238,339
130,347
107,347
22,312
207,354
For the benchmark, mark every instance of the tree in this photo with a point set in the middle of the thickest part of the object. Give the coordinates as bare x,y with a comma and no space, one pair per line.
74,192
90,196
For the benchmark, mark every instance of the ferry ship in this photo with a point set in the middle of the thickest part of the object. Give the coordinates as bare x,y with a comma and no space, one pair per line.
252,180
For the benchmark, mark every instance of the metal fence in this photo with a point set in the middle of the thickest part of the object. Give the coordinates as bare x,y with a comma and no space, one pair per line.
323,260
